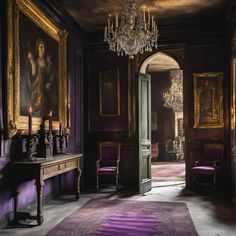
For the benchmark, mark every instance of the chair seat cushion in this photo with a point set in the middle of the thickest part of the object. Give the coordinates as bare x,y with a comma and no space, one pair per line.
204,170
107,170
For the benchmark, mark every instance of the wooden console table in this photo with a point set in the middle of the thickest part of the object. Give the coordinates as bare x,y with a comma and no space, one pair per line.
40,170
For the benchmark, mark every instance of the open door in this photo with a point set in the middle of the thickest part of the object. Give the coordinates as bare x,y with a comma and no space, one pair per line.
144,100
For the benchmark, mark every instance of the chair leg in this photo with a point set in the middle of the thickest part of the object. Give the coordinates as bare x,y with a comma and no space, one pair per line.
193,181
97,182
117,182
214,182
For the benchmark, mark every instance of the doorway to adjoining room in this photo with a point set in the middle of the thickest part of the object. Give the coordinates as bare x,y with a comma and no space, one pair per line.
167,120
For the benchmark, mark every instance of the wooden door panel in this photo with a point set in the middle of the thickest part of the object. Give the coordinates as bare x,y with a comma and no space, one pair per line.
144,99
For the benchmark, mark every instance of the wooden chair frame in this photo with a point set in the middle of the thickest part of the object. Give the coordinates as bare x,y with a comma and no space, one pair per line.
109,144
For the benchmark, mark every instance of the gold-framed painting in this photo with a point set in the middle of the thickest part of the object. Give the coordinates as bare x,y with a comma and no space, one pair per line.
37,69
109,93
208,100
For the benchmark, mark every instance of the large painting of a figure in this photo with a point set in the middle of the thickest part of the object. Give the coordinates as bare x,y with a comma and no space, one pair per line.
38,70
208,100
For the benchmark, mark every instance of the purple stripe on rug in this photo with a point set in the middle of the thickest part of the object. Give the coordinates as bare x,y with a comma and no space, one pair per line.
128,224
103,217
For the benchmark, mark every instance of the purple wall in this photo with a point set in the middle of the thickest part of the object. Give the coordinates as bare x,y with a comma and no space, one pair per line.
9,148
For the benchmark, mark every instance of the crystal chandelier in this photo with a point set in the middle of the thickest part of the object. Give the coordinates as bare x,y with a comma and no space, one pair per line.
173,99
133,32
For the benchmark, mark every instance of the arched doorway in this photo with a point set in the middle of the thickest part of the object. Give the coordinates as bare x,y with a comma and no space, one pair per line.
167,115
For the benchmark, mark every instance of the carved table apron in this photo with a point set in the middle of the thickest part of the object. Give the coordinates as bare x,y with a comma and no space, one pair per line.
41,170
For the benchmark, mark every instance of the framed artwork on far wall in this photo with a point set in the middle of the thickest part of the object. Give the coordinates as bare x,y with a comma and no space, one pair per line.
208,100
109,91
36,69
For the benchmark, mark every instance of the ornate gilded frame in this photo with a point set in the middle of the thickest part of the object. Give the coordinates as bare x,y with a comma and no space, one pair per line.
16,122
109,98
208,100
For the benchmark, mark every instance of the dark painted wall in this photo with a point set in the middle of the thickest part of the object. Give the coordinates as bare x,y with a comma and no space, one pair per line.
75,91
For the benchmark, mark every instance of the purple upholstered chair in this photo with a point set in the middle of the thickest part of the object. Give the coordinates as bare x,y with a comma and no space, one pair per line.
108,163
210,162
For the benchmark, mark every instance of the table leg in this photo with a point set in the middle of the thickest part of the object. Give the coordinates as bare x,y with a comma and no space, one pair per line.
78,174
39,188
16,193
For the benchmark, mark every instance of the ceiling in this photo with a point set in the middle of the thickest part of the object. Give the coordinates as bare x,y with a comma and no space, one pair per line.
92,15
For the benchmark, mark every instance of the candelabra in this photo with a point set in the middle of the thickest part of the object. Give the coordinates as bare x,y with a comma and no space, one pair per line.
31,146
45,144
60,142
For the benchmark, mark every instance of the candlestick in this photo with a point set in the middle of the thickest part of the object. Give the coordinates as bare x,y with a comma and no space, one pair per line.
50,121
116,20
30,121
144,14
149,19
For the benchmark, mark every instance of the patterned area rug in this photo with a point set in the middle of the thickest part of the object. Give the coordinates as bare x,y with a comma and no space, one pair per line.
168,171
102,217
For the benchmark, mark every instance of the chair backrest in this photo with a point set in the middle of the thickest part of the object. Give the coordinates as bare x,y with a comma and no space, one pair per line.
109,152
213,152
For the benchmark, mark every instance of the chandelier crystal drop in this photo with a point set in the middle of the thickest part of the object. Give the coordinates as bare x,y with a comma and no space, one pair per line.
133,32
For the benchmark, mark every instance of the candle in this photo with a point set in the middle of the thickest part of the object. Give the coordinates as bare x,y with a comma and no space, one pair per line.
50,121
152,21
30,121
116,20
60,130
149,19
144,14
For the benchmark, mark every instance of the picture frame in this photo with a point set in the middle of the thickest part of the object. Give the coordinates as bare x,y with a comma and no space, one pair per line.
36,69
208,100
109,93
